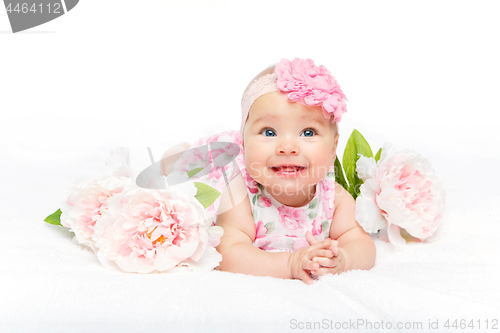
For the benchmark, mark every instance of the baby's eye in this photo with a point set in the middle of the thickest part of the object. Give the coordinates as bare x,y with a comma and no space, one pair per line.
268,132
309,132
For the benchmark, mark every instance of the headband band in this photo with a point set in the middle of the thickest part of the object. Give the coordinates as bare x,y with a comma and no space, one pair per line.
263,85
304,82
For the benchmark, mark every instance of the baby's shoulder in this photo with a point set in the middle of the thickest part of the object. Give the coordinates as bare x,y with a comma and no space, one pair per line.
235,210
344,214
342,197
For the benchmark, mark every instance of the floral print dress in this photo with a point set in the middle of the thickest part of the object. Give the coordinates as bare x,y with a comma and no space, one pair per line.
282,228
278,227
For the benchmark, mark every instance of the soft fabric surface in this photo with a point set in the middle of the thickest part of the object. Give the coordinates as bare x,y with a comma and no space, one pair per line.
156,73
50,283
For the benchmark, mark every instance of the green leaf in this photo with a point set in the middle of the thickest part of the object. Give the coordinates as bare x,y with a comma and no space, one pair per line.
54,218
324,227
206,195
377,157
339,174
270,227
193,172
313,203
312,215
254,199
355,145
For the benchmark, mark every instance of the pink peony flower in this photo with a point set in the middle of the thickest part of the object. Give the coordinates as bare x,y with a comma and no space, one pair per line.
400,191
85,206
292,218
89,201
146,231
312,85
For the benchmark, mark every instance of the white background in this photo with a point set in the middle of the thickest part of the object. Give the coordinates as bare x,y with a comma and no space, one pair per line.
423,75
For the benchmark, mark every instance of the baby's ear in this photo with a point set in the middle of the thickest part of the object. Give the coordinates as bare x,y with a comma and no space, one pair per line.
335,143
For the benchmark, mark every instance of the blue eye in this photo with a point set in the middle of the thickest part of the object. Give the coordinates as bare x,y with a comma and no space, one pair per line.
309,132
269,132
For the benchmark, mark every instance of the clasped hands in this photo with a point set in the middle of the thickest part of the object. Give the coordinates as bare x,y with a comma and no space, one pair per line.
319,258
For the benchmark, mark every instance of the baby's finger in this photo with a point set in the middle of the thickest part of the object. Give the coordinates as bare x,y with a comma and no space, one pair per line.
304,276
325,244
309,265
326,270
310,238
335,250
325,262
320,253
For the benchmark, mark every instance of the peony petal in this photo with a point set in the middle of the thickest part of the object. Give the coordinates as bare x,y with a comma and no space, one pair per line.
365,167
394,235
164,262
202,245
369,215
388,150
210,259
183,251
383,234
214,235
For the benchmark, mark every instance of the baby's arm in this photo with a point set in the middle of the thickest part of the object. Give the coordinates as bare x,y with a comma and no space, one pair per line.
240,256
355,249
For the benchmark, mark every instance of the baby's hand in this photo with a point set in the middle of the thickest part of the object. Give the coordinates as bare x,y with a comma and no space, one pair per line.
333,262
301,262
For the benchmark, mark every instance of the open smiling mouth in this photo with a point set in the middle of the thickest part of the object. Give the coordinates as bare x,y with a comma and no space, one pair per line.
288,171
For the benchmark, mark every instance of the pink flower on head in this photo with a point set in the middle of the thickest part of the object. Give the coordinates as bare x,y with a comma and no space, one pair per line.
400,191
312,85
292,218
335,105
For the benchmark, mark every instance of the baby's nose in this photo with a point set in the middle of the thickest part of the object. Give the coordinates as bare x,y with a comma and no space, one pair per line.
288,147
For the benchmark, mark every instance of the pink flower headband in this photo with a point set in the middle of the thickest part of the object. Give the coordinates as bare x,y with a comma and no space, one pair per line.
304,82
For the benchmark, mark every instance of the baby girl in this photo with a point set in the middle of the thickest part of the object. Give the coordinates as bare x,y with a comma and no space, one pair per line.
297,222
284,216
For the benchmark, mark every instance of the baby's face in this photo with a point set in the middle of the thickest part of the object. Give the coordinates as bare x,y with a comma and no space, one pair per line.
280,133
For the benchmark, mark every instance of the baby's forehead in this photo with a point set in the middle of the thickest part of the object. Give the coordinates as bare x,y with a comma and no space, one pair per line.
269,116
276,106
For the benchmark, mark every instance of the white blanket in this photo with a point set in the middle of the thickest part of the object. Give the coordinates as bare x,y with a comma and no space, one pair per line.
49,283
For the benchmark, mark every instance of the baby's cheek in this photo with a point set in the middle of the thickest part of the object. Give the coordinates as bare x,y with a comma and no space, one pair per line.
319,172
